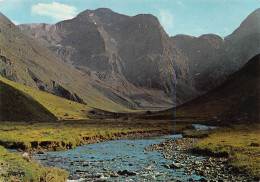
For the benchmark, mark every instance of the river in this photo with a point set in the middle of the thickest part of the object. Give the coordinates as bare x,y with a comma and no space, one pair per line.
104,161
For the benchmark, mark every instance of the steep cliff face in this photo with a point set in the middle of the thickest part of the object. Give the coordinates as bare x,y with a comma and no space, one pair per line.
203,59
132,54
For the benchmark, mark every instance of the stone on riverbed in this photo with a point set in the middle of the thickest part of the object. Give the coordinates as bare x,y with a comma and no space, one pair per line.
196,162
176,166
126,172
26,156
40,152
167,166
114,174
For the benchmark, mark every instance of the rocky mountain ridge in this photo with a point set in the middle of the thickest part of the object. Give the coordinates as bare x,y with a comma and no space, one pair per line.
132,59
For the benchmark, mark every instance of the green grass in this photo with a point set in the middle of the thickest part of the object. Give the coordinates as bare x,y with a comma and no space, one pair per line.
196,134
14,167
60,107
236,143
69,134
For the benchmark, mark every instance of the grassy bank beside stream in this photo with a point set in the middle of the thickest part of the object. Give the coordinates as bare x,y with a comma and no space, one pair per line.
240,143
14,167
69,134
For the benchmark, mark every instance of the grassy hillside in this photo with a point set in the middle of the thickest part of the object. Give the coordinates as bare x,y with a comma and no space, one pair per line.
60,107
18,106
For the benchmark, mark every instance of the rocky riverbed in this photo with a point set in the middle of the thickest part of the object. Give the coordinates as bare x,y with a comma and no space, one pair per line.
119,160
209,168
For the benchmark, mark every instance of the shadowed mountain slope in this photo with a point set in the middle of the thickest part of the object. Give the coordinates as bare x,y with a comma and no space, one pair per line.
18,106
234,101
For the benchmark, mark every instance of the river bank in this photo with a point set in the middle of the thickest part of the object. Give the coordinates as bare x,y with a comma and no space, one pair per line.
209,168
118,158
65,135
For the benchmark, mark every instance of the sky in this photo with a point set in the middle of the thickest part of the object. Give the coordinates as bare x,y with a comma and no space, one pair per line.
190,17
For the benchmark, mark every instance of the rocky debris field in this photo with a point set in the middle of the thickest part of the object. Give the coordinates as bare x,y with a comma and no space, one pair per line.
209,168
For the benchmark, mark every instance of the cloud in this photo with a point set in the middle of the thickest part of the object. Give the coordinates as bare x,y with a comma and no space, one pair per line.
166,19
54,10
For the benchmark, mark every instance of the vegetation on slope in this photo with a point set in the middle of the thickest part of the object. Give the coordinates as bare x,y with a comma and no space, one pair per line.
234,102
60,107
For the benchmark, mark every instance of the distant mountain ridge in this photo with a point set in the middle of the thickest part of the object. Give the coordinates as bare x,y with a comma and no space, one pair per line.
135,56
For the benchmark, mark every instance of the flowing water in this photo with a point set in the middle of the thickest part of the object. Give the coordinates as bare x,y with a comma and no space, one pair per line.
203,127
100,161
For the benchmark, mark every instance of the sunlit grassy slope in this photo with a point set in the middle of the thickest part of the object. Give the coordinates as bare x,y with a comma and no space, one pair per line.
60,107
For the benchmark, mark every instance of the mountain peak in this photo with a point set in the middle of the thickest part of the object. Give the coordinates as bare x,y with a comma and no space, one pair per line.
98,12
146,17
210,36
251,25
